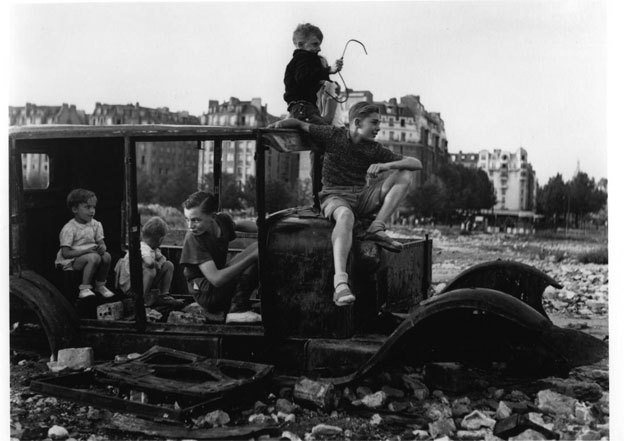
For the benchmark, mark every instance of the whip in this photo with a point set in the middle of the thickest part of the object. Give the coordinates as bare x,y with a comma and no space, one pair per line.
335,98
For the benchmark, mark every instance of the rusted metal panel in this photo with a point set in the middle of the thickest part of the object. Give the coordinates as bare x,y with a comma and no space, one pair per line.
522,281
56,316
477,325
172,384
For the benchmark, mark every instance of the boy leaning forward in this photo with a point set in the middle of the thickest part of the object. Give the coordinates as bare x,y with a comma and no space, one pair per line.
352,155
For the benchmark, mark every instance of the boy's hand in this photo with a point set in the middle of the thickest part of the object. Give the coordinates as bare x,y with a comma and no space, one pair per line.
375,169
336,67
101,248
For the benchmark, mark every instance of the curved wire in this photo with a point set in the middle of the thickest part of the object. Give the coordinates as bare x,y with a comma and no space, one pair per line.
346,89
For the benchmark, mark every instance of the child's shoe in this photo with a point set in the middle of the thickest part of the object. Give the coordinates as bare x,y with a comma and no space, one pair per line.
103,290
85,291
343,295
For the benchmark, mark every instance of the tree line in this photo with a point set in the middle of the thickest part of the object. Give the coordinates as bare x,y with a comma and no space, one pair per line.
453,193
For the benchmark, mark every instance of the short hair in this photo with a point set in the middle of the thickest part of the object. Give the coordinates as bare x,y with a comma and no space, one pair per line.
304,31
155,228
206,201
362,110
79,196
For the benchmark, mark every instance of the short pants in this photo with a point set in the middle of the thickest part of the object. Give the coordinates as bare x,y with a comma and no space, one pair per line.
362,200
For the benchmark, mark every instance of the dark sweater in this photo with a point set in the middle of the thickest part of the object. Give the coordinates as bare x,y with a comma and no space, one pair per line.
303,76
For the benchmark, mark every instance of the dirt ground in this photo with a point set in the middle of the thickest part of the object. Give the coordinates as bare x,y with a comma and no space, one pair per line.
32,414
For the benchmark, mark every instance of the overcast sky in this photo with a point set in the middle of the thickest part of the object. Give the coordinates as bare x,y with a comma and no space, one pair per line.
502,74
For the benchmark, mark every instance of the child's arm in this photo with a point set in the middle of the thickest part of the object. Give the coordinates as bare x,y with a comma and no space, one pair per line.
70,253
101,246
406,163
290,123
219,277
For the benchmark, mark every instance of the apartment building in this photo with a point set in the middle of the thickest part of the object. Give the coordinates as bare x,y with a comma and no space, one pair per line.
238,156
157,159
32,114
511,174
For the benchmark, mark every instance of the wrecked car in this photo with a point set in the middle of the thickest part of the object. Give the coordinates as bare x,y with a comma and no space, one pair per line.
491,312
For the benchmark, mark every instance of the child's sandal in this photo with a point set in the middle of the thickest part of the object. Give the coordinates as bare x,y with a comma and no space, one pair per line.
343,296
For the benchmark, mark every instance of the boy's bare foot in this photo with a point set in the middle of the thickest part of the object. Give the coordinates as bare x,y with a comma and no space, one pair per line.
104,292
343,295
84,293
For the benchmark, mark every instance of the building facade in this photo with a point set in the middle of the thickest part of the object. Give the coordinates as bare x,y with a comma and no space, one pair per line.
32,114
238,156
511,174
156,159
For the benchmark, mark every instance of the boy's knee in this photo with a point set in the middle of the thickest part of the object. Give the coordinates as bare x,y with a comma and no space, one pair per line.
92,258
344,216
167,266
403,177
106,257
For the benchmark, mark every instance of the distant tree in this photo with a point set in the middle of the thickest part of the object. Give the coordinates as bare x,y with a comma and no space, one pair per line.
232,194
585,197
146,188
552,199
429,200
279,195
174,187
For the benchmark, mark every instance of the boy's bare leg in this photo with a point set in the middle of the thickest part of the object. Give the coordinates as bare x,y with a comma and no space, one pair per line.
88,264
393,191
149,274
102,269
166,276
341,238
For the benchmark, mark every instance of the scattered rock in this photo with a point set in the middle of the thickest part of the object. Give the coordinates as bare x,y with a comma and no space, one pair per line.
398,406
326,430
290,436
58,433
473,434
374,401
503,411
216,418
283,405
420,434
476,420
555,403
461,407
527,435
375,420
588,434
258,418
441,427
581,390
314,393
286,417
362,391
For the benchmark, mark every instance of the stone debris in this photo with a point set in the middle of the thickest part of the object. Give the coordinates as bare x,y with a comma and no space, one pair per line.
473,434
285,406
181,317
503,411
581,390
314,393
58,433
290,436
461,407
374,401
216,418
476,420
442,427
375,420
555,403
527,435
72,358
152,315
326,430
413,382
420,434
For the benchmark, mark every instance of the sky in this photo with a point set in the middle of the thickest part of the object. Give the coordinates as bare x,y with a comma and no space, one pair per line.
502,74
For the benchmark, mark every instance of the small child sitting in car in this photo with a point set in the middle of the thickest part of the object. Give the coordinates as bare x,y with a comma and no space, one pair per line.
157,270
82,246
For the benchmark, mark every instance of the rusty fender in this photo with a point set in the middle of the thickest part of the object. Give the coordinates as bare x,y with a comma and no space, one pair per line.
58,318
522,281
477,325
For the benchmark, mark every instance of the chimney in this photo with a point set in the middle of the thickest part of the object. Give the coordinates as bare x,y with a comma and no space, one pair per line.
257,103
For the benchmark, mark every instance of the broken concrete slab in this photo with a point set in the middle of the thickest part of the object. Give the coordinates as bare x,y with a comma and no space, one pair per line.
326,430
72,358
503,411
442,427
479,434
555,403
313,393
476,420
581,390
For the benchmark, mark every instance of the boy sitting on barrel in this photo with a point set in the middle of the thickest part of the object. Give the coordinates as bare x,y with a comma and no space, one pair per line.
352,155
